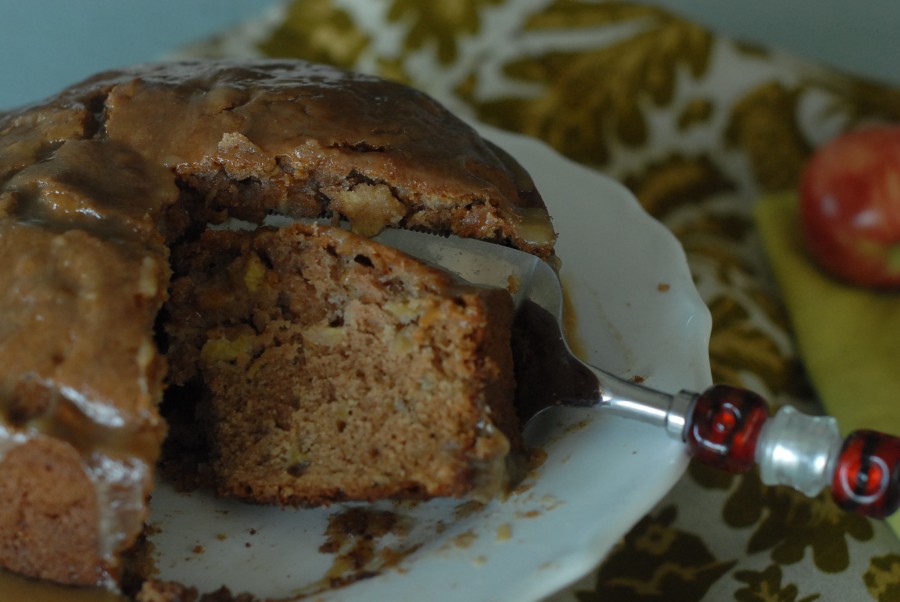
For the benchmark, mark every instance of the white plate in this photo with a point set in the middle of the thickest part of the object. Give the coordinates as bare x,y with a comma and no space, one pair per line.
602,473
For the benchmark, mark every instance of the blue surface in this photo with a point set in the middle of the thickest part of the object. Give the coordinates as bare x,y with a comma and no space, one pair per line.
856,36
46,44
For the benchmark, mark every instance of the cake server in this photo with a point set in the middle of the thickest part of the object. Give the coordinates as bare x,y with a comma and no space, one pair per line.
725,427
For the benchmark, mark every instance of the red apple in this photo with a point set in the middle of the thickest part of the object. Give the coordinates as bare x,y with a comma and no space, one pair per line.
850,206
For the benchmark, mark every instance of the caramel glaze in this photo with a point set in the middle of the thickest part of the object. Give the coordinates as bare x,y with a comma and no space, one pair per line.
81,281
278,136
98,181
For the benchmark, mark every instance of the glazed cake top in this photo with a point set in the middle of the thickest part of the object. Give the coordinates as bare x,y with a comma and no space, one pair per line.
295,138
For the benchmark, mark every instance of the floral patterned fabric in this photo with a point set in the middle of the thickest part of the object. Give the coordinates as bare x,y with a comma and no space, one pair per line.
698,126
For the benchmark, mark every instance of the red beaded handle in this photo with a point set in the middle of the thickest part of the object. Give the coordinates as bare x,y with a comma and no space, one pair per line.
867,476
723,427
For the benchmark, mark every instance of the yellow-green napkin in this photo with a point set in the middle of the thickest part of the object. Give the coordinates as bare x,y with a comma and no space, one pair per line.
849,337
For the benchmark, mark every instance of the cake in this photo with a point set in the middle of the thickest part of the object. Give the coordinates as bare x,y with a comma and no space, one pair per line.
110,261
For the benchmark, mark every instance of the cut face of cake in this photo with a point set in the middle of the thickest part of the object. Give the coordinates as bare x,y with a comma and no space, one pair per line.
332,367
319,365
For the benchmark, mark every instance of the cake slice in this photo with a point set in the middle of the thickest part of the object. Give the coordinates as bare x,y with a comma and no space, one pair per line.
329,367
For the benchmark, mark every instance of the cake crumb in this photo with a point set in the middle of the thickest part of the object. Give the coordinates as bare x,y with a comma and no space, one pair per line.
468,508
504,532
465,540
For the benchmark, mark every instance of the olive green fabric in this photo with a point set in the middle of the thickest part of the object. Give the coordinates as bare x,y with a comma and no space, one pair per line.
843,331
